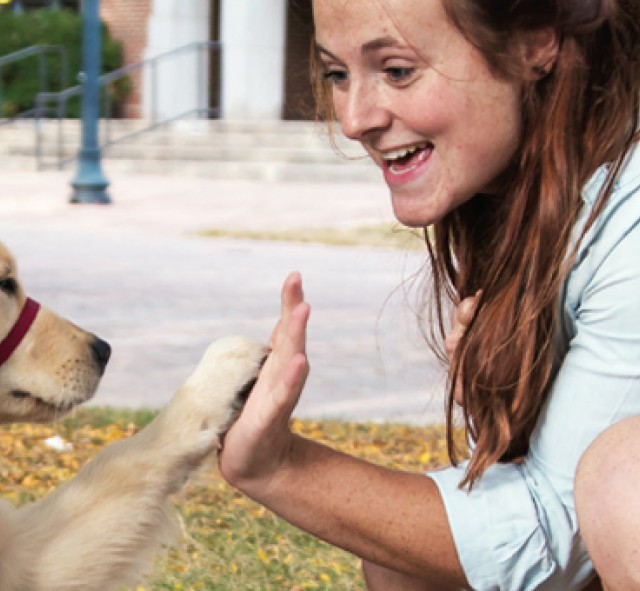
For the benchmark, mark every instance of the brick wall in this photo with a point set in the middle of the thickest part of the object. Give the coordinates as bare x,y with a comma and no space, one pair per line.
127,21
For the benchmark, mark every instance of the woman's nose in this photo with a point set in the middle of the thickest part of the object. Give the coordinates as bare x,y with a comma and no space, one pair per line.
362,111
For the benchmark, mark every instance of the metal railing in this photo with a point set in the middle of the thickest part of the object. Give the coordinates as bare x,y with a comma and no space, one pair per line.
41,52
56,103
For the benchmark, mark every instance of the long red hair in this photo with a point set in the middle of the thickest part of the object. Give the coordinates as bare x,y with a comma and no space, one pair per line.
515,247
582,115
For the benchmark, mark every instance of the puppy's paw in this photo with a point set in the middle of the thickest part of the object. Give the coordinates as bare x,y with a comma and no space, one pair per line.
212,397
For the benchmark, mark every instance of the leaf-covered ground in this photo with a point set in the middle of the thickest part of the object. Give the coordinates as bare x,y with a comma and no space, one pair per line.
229,543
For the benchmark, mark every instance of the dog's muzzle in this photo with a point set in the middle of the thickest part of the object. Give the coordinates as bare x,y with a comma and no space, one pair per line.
19,329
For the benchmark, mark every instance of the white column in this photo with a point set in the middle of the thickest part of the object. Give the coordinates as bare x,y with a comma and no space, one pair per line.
253,36
179,83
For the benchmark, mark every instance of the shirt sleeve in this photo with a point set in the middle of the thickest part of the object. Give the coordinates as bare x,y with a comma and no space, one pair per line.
598,381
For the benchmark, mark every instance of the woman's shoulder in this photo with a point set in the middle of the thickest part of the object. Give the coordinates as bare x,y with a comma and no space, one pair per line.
613,240
601,287
621,213
630,178
627,183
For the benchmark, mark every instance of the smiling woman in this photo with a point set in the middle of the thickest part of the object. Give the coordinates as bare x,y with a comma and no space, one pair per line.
510,130
382,75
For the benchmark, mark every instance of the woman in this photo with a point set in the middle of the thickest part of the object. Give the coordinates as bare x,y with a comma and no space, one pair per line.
509,128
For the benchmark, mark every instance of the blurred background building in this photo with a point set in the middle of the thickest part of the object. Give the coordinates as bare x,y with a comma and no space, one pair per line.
260,71
223,85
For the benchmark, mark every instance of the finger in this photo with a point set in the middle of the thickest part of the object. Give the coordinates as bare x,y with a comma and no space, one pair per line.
291,294
465,310
290,341
462,316
452,340
280,382
293,338
292,298
296,335
286,397
274,334
297,372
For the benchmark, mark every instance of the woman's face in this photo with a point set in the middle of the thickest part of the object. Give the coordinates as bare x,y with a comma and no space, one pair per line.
421,100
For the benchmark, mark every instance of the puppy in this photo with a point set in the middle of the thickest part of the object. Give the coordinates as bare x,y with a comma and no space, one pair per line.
47,364
99,529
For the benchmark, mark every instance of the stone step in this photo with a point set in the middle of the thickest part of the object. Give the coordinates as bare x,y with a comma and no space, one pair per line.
223,149
186,152
198,132
265,171
316,138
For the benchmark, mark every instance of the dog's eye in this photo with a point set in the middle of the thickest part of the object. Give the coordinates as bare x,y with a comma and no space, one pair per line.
9,285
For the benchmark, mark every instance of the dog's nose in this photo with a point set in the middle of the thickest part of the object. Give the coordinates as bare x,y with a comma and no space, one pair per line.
101,351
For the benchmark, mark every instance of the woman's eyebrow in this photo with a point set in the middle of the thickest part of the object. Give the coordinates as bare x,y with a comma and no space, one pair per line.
368,47
380,43
319,49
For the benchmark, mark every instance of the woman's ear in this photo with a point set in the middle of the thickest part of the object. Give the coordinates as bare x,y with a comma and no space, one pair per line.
539,51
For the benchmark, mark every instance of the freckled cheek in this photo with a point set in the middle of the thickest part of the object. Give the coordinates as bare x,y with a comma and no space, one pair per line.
489,135
438,115
499,146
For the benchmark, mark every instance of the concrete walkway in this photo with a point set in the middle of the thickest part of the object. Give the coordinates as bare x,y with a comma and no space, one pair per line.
137,273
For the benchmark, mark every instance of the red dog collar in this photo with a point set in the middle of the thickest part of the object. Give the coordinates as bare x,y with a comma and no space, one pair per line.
20,328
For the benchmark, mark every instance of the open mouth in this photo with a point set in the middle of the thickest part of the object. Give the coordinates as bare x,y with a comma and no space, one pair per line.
407,159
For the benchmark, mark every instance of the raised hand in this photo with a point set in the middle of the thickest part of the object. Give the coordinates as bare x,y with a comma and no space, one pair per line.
256,447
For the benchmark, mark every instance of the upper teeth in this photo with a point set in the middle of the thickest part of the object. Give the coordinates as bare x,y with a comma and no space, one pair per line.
402,152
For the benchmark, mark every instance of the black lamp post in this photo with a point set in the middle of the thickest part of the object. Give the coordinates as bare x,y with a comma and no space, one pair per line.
89,185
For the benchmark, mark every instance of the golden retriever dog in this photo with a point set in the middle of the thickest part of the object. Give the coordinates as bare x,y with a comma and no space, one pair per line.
99,529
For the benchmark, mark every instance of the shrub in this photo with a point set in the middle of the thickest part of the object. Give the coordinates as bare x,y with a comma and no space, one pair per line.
20,80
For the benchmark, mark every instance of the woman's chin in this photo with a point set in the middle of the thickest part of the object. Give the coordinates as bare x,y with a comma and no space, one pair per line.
424,206
410,213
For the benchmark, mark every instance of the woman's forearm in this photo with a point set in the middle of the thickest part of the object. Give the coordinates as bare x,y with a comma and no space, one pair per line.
392,518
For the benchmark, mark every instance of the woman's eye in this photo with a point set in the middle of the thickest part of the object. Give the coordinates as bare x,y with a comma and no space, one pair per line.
334,76
399,74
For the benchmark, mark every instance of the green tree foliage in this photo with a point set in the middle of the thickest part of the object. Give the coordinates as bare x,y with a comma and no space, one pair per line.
20,80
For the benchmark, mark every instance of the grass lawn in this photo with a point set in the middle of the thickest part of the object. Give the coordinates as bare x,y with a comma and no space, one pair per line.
229,543
392,235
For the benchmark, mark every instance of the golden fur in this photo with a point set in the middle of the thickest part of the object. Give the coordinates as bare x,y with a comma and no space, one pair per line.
96,531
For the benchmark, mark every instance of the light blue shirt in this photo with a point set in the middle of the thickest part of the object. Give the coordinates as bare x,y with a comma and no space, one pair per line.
598,382
517,529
